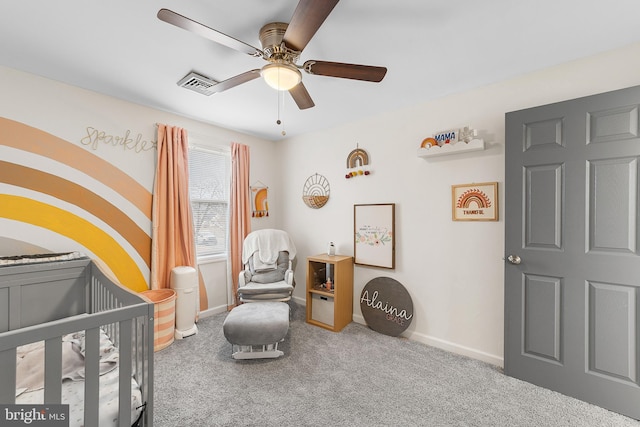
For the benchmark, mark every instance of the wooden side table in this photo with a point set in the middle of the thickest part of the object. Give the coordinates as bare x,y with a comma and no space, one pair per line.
330,291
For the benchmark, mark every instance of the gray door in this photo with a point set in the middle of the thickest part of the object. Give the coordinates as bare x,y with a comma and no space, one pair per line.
572,262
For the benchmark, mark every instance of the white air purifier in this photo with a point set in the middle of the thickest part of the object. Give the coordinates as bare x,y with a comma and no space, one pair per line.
184,280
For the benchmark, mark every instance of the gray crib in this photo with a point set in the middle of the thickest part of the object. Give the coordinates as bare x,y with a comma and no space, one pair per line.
46,301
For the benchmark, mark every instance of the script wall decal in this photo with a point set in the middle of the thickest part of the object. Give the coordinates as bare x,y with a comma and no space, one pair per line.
386,306
95,137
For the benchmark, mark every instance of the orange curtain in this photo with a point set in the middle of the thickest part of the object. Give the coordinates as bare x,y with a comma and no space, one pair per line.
240,212
172,235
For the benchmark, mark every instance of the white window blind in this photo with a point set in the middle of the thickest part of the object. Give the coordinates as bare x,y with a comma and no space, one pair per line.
209,177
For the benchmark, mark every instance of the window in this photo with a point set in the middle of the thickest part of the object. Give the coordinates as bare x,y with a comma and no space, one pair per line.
209,175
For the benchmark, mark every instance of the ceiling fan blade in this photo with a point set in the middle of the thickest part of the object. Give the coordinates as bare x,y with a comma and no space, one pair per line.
346,71
301,96
188,24
235,81
307,18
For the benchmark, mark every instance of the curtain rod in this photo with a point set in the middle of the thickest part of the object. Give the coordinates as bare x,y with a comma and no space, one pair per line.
219,147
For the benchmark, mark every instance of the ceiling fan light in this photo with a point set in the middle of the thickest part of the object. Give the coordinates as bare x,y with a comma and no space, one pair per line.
281,76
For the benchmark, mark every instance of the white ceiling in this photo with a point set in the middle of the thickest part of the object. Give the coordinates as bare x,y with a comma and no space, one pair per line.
431,49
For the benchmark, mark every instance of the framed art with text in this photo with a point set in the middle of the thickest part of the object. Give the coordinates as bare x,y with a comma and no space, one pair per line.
475,202
374,235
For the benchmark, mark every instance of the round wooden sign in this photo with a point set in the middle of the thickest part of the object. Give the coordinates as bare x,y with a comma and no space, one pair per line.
386,306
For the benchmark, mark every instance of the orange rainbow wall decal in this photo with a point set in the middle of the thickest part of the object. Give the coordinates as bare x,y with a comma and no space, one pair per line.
56,186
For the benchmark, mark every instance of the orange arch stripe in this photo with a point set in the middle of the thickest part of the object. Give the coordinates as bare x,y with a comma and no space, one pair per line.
22,176
78,229
23,137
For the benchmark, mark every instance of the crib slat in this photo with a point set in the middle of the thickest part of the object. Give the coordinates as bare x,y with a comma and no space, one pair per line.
53,370
124,389
147,370
15,294
8,376
92,379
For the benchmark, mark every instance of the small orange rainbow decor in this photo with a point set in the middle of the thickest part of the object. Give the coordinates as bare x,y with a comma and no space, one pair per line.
429,142
260,202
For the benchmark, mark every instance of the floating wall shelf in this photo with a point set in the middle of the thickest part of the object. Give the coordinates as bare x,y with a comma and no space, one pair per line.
447,149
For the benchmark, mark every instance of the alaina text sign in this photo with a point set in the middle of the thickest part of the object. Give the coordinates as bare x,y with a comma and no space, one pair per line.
386,306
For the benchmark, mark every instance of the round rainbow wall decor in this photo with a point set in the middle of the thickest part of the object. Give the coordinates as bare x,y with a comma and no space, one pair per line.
315,192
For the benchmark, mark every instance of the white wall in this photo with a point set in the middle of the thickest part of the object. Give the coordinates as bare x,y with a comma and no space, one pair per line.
452,270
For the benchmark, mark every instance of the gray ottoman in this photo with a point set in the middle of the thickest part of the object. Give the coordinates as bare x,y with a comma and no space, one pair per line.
255,329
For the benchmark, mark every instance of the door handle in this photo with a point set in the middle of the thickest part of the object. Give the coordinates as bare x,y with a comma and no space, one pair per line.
514,259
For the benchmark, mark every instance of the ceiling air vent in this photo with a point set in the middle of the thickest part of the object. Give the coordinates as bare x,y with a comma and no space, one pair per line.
197,83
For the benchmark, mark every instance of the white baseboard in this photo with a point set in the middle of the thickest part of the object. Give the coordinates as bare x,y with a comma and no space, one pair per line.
212,311
447,345
301,301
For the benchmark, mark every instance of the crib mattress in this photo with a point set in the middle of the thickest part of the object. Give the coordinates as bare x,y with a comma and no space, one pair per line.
73,395
30,379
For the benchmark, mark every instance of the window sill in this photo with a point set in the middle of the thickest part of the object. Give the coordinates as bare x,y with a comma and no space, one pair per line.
210,259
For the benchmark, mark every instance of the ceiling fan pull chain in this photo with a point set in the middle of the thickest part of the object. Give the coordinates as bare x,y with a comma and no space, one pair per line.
281,102
278,122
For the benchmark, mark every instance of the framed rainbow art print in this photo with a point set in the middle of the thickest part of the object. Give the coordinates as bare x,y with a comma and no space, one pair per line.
475,202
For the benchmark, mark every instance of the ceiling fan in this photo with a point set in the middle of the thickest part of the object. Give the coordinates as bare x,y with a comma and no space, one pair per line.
282,45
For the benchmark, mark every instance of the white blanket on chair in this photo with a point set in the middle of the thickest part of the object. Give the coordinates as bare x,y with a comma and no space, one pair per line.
267,243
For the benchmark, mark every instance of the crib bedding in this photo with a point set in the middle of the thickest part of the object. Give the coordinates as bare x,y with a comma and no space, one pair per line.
39,258
73,394
30,379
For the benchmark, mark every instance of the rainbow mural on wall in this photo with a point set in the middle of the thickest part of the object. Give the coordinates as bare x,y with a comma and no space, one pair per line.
60,197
